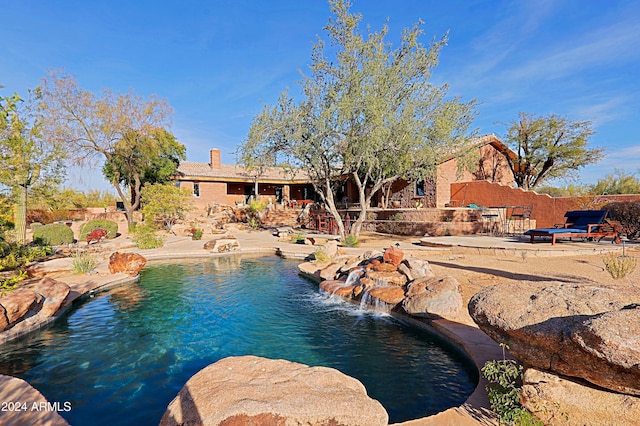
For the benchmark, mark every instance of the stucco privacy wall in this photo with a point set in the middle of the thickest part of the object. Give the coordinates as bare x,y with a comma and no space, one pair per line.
546,210
491,166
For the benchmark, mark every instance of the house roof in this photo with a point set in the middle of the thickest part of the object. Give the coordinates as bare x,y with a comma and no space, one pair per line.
193,170
480,141
496,142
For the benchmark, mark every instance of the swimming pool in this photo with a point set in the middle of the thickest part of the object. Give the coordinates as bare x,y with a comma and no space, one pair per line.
122,356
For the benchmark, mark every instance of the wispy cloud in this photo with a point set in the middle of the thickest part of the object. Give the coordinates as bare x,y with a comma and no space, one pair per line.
604,47
600,111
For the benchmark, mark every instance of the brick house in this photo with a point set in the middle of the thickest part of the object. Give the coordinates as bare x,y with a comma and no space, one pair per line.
214,182
489,165
231,184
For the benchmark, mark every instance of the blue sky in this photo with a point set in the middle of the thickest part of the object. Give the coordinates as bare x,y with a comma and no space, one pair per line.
218,62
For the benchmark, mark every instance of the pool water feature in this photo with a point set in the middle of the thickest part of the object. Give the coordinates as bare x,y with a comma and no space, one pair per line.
122,356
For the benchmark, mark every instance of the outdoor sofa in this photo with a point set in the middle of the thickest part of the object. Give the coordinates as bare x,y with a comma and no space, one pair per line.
585,224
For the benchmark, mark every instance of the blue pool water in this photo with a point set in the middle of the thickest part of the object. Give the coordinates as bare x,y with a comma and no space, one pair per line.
122,356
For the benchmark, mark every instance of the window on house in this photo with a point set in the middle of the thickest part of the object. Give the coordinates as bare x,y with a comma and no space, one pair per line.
419,190
196,189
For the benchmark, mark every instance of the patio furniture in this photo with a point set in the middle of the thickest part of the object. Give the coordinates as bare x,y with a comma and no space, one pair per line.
521,218
490,219
585,224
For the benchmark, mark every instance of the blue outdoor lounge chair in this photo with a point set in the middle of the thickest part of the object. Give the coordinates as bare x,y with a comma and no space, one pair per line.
585,224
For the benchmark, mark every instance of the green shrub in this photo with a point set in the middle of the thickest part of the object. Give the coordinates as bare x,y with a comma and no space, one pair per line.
108,225
10,284
84,262
53,234
254,223
350,241
256,206
6,225
34,225
146,237
619,266
505,379
14,256
321,255
297,239
196,233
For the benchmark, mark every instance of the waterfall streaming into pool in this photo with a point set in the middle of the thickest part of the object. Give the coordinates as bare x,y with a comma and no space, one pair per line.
120,357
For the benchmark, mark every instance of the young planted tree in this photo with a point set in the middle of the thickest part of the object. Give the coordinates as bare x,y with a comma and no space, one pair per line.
109,127
26,157
368,113
548,147
165,204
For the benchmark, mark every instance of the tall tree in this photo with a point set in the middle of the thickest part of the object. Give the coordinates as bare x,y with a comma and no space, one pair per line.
140,159
368,113
548,147
26,157
103,127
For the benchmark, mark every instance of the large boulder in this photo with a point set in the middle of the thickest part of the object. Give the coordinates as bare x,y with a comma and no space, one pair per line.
560,401
587,331
393,255
434,297
330,249
311,269
387,278
54,293
17,392
415,269
389,295
249,390
330,272
128,263
18,303
4,321
222,245
50,268
357,261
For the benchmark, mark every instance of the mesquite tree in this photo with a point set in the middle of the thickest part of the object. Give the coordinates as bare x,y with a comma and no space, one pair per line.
548,147
116,128
368,113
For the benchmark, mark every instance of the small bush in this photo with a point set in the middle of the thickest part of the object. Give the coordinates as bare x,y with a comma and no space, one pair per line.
10,284
196,233
254,223
619,266
84,262
321,255
505,378
350,241
54,234
108,225
15,256
34,225
297,239
6,225
627,213
146,237
256,206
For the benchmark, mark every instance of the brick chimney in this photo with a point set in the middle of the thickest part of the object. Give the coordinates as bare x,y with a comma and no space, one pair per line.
214,154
